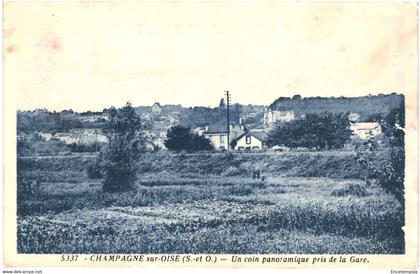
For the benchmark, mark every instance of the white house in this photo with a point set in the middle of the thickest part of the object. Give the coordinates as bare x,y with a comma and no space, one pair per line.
155,142
272,116
67,138
91,136
156,108
252,140
354,117
218,140
217,134
366,130
200,130
93,118
83,136
46,136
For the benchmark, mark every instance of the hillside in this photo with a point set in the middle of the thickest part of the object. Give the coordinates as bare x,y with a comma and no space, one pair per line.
368,107
161,117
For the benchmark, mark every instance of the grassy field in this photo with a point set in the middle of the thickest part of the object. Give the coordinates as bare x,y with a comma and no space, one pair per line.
330,164
206,213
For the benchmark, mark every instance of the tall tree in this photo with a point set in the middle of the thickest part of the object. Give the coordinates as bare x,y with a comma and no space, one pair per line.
126,143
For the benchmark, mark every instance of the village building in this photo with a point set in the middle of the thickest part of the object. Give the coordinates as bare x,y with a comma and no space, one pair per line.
273,116
156,109
240,138
217,134
92,136
21,136
251,140
155,141
46,136
146,116
93,118
366,130
246,117
84,136
65,137
200,130
354,117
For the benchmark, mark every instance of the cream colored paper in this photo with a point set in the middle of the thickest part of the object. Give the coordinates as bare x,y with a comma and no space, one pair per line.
95,54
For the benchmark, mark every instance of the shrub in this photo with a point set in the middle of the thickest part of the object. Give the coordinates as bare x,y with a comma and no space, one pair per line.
94,171
387,169
350,190
33,144
180,138
84,147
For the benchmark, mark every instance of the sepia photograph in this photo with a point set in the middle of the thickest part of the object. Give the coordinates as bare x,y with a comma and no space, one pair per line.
269,129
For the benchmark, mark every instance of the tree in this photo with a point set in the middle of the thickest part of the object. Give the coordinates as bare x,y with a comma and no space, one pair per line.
388,168
222,103
126,143
392,124
297,97
200,143
314,131
180,138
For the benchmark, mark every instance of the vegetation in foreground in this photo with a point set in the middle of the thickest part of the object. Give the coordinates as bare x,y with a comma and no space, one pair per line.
166,213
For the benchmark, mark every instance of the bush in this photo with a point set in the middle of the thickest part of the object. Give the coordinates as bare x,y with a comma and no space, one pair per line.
84,147
387,169
33,144
180,138
240,190
350,190
94,171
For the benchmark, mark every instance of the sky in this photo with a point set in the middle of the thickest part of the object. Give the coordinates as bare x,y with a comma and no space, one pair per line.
89,56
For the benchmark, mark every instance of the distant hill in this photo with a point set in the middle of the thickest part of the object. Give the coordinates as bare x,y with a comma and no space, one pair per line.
164,116
368,107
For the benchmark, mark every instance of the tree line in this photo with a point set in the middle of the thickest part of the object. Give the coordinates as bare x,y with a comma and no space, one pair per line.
313,131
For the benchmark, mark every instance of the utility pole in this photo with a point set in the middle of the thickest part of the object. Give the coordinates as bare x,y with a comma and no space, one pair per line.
227,118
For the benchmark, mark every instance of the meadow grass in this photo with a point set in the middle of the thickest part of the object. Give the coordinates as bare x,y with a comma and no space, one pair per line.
182,213
331,164
41,236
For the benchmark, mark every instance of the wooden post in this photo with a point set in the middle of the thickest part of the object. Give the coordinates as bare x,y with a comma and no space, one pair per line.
227,118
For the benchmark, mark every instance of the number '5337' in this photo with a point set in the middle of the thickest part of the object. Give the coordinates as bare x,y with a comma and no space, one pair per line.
69,258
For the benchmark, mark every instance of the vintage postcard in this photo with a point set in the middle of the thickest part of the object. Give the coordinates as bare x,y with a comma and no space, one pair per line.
211,134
